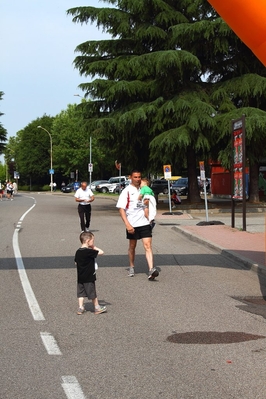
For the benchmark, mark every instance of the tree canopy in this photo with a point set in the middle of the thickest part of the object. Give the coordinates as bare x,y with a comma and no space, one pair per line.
167,82
31,151
165,87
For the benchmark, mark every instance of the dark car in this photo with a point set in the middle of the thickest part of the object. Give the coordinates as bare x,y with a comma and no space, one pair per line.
70,187
159,186
181,186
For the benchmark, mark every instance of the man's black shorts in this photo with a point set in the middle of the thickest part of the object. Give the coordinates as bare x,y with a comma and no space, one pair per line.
140,232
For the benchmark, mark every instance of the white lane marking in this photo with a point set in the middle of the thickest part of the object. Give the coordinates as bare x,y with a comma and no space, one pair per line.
50,344
28,291
24,214
72,388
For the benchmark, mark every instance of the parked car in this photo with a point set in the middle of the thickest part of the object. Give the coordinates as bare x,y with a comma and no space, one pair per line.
111,187
181,186
120,188
159,186
70,187
111,184
96,183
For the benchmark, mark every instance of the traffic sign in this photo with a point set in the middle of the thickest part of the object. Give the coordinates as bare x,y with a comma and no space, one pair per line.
167,171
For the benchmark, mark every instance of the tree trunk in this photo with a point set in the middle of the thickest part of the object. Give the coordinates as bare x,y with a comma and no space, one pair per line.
254,182
193,187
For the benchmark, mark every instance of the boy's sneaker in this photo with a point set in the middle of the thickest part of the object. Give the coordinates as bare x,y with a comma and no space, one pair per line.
131,272
153,273
101,309
80,311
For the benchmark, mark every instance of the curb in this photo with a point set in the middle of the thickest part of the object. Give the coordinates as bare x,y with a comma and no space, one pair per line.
245,262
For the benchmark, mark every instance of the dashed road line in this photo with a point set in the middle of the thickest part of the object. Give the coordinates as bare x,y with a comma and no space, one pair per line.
50,344
72,388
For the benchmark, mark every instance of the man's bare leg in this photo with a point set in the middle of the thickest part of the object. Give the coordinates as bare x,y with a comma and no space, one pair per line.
147,244
131,256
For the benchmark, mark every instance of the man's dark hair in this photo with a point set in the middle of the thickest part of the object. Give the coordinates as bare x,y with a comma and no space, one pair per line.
134,171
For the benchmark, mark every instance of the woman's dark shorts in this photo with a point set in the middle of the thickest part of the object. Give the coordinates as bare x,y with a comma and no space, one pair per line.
86,290
140,232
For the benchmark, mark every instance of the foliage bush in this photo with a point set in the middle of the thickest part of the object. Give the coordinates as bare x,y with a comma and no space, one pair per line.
24,188
34,188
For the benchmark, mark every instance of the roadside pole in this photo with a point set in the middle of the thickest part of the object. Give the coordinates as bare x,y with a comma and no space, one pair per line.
169,197
119,167
203,179
167,175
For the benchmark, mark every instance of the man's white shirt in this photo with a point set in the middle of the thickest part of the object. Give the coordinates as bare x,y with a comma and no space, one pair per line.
128,200
84,194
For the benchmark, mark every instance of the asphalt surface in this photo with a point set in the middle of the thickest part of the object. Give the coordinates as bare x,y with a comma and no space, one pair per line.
188,334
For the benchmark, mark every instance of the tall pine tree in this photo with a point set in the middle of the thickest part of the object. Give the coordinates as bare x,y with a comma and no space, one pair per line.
160,81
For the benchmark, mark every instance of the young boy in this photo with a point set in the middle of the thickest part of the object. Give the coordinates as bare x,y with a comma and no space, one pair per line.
85,260
145,194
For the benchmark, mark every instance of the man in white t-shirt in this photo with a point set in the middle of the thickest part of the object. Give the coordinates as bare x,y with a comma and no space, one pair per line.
137,225
84,196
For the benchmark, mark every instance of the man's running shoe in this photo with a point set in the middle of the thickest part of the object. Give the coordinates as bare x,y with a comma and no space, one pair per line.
153,273
131,272
80,311
101,309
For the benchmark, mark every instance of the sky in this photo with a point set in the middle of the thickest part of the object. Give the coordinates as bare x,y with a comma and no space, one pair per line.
37,75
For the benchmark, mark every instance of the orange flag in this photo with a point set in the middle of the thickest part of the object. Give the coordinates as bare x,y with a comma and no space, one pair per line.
247,18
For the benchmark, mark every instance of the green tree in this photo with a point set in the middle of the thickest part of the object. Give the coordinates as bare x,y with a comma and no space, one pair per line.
32,147
3,132
237,81
239,96
163,83
72,132
144,83
2,172
11,152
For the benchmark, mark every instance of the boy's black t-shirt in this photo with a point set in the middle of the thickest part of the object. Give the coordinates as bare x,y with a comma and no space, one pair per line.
85,260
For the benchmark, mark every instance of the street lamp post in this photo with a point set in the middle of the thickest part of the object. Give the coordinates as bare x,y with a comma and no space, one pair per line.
51,155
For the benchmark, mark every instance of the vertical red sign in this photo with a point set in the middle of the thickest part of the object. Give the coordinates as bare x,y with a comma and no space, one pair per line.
238,167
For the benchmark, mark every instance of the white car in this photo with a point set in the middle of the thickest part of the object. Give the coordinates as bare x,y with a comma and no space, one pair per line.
96,182
113,188
105,187
110,185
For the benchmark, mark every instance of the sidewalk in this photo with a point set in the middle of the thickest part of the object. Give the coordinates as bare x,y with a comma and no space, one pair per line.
248,246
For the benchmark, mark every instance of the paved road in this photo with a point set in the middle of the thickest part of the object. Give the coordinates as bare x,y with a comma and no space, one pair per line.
124,353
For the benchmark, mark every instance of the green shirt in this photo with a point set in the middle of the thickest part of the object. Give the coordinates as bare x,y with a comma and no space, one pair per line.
146,190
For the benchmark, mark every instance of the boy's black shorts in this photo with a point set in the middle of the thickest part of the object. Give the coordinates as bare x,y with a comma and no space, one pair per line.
140,232
86,290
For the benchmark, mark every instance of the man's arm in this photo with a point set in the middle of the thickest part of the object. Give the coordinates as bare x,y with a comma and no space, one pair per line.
85,200
123,215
